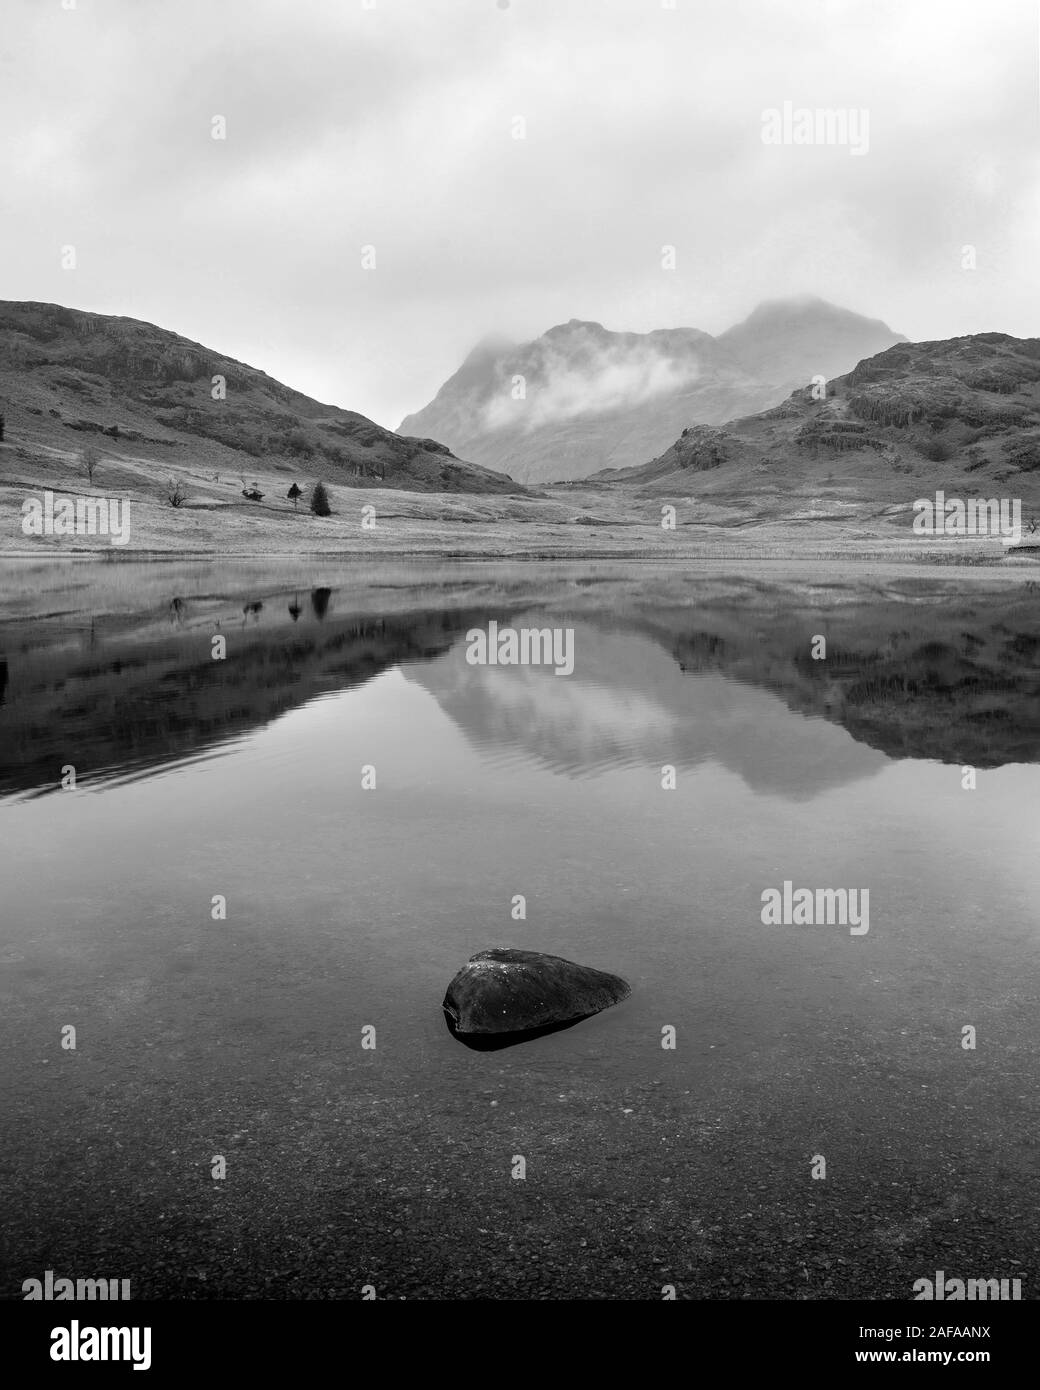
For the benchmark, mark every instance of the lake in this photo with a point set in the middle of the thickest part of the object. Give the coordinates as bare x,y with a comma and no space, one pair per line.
277,842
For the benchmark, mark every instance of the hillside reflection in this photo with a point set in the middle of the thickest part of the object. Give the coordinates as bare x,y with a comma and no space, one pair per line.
667,670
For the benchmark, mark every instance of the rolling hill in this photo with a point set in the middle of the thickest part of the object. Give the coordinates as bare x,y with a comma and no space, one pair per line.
146,397
961,414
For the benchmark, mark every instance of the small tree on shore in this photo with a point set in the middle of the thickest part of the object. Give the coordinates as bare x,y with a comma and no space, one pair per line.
294,494
89,460
175,493
320,501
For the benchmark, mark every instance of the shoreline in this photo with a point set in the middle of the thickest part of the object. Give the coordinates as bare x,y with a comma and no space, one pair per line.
873,556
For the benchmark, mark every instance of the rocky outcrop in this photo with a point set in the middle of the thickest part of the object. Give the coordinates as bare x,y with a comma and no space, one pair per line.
971,405
700,447
953,380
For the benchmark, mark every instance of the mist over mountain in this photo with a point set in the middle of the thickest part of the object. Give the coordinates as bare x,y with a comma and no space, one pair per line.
582,398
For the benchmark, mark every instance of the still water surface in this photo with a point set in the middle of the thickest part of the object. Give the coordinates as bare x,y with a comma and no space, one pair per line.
349,907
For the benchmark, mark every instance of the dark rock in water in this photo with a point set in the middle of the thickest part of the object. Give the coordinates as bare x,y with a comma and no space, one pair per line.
504,991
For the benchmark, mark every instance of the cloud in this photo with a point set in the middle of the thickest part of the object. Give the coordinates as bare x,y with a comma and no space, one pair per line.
394,127
608,377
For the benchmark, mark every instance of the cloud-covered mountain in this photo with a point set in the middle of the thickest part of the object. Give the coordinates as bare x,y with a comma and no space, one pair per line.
581,398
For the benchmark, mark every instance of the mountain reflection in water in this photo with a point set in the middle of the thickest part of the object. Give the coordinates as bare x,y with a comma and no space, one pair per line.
667,670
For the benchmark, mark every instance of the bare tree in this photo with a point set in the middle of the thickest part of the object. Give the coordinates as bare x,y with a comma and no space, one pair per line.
89,459
175,493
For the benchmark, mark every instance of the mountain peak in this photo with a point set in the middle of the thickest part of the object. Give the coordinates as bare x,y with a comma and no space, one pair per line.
559,330
795,303
804,309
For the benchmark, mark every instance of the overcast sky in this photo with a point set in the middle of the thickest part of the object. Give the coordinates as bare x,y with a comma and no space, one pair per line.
393,127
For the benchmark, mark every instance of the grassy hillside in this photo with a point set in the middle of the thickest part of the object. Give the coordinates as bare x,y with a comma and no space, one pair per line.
158,405
834,476
961,415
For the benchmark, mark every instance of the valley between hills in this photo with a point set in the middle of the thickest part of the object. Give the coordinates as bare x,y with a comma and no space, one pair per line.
825,472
